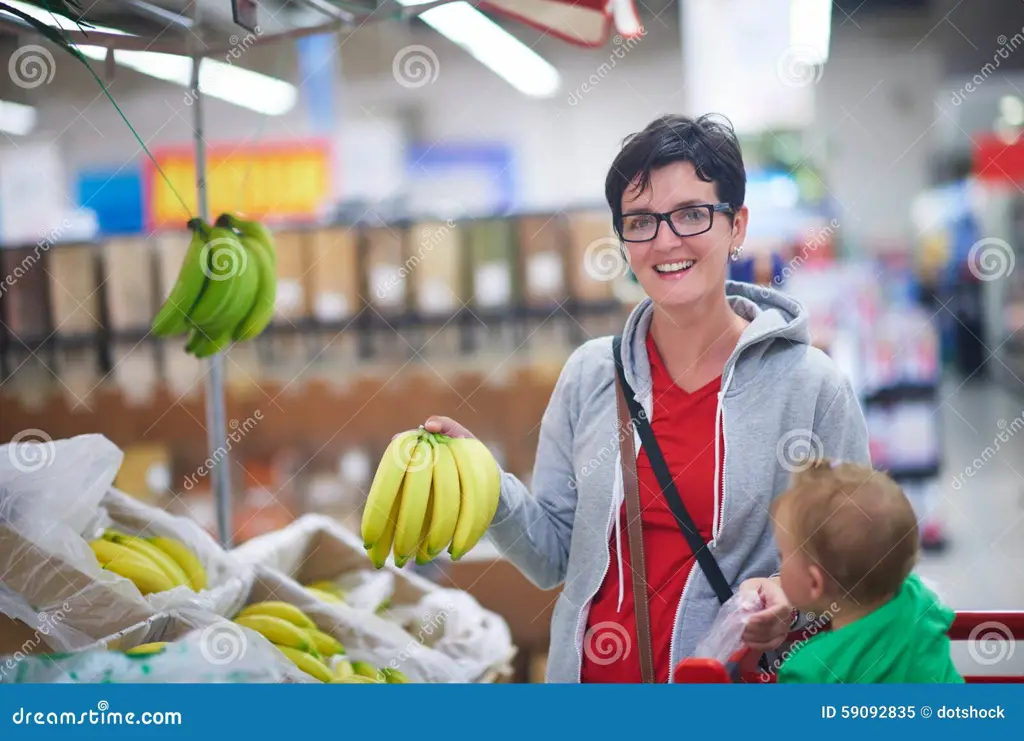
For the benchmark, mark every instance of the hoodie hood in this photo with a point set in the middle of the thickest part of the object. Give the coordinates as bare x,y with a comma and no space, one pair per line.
905,641
773,316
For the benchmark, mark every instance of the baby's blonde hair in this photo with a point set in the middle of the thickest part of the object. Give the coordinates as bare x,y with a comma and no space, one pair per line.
855,523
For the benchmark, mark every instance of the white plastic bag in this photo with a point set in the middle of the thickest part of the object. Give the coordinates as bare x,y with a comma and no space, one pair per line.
54,498
202,649
446,629
725,637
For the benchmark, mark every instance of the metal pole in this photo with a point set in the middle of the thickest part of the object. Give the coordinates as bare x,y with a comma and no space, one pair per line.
216,427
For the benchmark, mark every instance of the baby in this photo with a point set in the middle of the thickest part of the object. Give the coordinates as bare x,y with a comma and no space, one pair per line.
848,538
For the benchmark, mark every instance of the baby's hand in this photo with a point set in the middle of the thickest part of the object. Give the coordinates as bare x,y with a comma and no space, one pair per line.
768,628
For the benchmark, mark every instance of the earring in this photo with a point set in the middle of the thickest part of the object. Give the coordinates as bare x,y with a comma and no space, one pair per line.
736,253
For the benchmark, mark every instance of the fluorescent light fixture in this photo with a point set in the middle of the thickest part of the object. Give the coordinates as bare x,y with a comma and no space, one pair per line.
243,87
17,119
1011,108
493,46
810,28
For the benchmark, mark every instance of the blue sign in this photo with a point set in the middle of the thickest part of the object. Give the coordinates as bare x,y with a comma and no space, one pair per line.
116,197
318,57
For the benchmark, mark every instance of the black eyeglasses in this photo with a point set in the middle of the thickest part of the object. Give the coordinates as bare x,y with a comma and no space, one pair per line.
688,221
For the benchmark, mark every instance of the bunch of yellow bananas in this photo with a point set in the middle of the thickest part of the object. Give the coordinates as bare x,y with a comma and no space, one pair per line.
326,590
294,634
362,672
152,564
430,492
226,288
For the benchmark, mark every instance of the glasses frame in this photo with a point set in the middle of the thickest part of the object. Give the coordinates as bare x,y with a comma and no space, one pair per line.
712,209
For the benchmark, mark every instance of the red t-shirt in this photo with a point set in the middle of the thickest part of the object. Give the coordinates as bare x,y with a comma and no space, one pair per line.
684,426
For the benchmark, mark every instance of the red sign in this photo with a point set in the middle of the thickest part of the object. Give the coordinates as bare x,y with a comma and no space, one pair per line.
995,161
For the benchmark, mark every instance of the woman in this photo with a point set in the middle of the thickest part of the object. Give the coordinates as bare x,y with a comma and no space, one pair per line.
733,390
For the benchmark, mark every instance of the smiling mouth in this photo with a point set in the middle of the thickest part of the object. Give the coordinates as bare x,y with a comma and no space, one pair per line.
667,268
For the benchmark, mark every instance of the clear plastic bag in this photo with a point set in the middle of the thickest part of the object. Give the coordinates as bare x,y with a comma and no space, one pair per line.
726,635
429,632
201,649
54,498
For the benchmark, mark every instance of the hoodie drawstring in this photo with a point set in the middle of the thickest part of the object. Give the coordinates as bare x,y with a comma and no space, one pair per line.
719,475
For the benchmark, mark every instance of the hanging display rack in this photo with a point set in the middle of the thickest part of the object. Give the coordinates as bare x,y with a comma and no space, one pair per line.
195,42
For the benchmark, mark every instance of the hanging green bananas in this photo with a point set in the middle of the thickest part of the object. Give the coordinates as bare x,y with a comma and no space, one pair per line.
172,318
226,288
252,229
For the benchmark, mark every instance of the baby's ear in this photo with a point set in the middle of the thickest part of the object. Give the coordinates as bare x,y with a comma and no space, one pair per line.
817,581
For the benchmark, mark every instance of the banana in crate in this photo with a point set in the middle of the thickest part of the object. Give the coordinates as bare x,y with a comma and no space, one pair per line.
318,654
430,492
226,289
153,564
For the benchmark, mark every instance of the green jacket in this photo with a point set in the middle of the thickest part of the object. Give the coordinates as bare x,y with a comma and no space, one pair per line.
904,641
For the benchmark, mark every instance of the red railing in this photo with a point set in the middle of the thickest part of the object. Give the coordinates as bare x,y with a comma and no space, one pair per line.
967,626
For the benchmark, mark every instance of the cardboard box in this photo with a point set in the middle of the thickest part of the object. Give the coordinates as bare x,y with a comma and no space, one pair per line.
129,266
445,629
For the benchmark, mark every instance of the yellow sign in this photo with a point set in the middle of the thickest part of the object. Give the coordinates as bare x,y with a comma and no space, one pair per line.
289,181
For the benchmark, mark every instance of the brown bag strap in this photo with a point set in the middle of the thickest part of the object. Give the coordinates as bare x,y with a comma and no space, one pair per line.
631,486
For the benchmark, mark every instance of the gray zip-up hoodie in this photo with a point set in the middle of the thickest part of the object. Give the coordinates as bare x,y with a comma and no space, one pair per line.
781,399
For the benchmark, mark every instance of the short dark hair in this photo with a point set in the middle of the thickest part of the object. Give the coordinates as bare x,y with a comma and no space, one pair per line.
709,144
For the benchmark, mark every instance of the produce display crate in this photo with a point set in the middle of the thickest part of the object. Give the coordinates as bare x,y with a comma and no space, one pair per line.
433,633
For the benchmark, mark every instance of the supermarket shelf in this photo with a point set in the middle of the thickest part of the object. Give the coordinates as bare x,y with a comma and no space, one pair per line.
365,325
904,392
914,474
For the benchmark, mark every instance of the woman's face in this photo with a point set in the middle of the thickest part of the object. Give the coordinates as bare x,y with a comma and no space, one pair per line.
703,257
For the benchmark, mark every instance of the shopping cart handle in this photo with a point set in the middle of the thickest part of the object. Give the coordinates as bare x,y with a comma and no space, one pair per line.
701,671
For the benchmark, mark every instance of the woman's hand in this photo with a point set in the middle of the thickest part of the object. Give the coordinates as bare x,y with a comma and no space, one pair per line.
446,426
768,628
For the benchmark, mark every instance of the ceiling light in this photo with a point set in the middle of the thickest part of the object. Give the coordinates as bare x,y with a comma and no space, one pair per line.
493,46
217,79
1011,108
17,119
810,28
